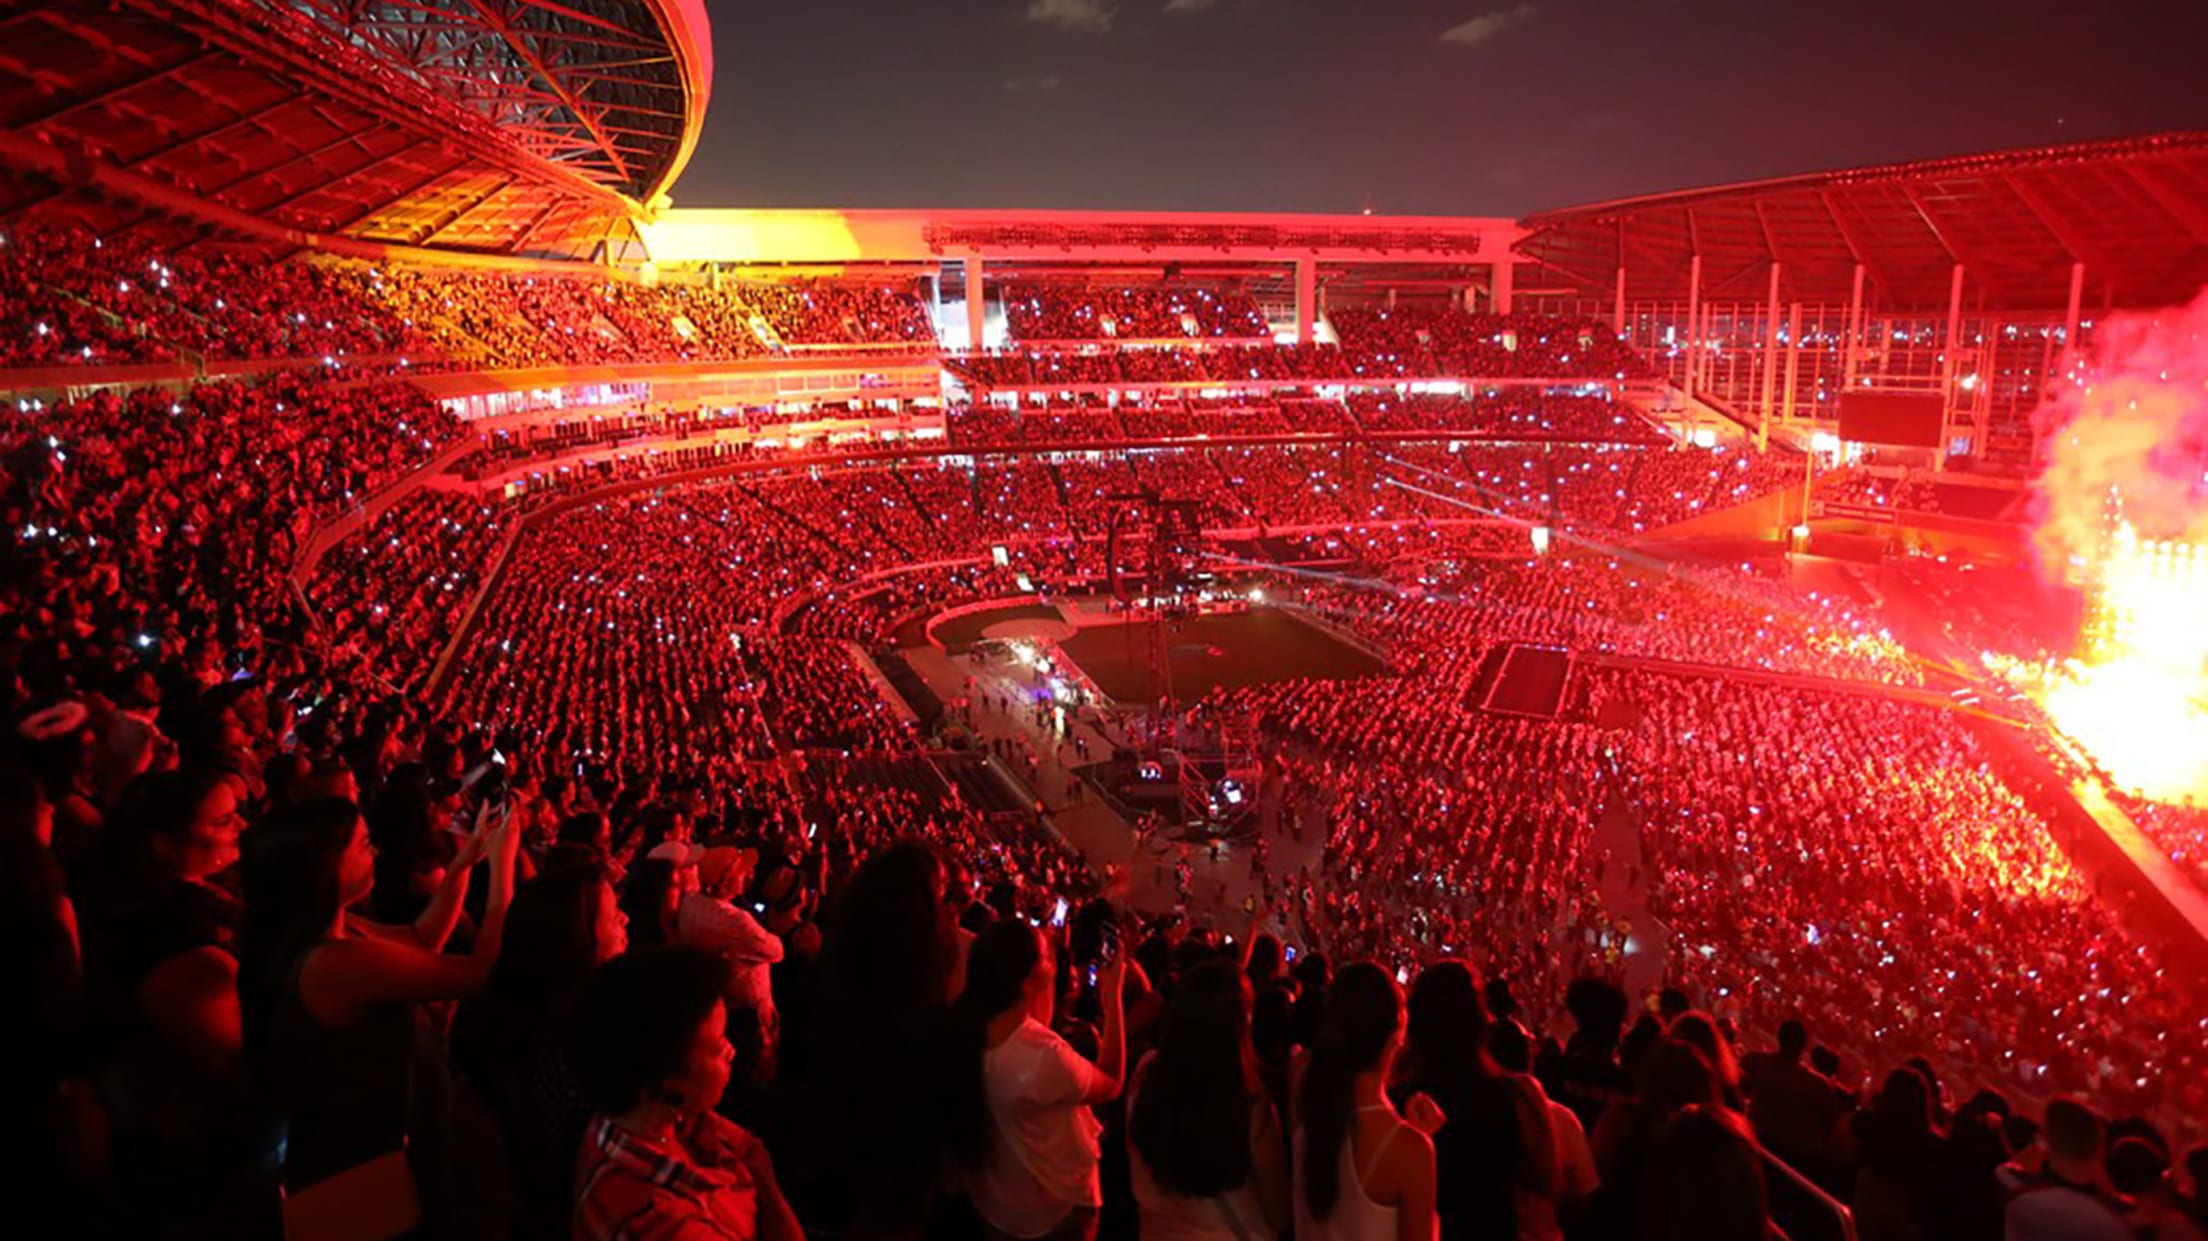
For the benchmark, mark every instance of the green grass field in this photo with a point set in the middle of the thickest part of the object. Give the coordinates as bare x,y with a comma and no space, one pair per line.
1231,650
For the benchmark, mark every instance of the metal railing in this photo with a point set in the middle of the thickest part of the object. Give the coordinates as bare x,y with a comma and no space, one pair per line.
1811,1197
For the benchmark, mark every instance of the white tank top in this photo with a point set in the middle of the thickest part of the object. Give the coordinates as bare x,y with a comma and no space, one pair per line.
1356,1216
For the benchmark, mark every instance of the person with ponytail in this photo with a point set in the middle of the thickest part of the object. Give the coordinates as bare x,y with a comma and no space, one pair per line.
1021,1128
1364,1172
1207,1159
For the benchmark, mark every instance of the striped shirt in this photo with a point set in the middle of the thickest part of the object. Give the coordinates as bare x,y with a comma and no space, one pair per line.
696,1187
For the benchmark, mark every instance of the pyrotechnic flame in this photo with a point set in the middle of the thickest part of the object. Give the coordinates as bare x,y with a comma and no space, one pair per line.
2123,503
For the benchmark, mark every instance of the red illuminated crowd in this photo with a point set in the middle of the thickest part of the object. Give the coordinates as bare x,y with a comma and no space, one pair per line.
556,866
1056,312
70,298
1374,345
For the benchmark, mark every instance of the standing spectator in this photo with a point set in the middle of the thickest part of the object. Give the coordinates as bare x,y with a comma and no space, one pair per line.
1541,1218
875,1137
1021,1125
332,1010
1792,1105
1670,1078
1704,1182
2069,1199
162,965
512,1039
710,919
2140,1171
1363,1172
38,946
1589,1077
658,1163
1497,1142
1899,1149
1208,1160
651,897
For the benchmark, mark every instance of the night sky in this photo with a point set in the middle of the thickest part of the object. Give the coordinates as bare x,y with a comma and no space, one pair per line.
1446,107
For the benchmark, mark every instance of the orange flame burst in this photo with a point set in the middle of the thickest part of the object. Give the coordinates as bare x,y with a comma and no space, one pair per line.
2123,501
2139,700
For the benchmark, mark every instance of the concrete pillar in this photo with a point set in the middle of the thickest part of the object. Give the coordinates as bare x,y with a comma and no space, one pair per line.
976,313
1793,362
1852,341
1391,297
1499,285
2070,318
1694,325
1469,298
1770,355
1617,308
1307,298
1950,341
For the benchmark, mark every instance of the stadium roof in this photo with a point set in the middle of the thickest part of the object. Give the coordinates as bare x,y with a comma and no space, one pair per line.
2134,211
503,126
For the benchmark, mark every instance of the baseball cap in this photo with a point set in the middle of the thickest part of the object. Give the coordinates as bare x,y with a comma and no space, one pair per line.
677,852
721,861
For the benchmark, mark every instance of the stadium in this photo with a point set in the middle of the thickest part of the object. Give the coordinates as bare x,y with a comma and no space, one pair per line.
1680,716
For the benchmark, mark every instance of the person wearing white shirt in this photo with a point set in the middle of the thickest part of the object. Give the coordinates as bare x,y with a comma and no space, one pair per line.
1021,1125
709,918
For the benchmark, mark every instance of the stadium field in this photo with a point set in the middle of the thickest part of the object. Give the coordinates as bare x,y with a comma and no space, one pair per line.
1229,650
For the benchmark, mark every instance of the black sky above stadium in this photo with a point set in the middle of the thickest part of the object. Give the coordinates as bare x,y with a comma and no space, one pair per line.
1447,107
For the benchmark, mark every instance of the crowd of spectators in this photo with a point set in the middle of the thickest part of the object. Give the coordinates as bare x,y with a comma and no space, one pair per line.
1592,354
1501,414
1451,341
654,918
68,297
1067,312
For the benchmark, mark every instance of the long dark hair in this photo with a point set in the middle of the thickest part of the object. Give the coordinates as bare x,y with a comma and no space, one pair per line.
885,953
644,899
1446,1026
1191,1122
34,942
549,948
158,805
1703,1182
1897,1129
293,894
1363,1009
998,964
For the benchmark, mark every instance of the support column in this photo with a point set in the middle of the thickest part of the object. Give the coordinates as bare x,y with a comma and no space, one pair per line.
1499,284
1469,298
1694,325
1848,344
1617,307
1793,363
1770,360
1948,344
976,312
2070,318
1307,297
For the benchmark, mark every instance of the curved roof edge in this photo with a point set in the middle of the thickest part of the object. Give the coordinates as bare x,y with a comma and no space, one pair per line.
2094,150
690,37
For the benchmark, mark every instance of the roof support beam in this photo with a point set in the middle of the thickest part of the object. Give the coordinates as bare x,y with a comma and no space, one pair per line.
2186,212
120,88
526,50
453,218
1855,248
251,175
1955,253
2079,249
